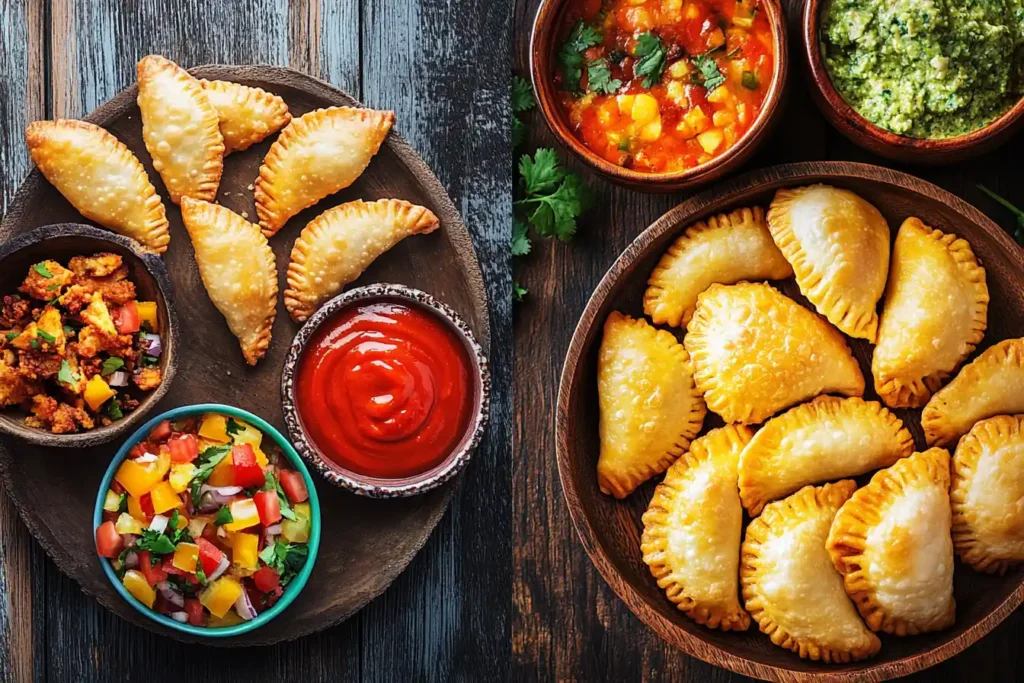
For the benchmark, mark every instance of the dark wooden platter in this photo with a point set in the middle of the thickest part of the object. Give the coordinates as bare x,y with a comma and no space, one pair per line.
365,543
610,529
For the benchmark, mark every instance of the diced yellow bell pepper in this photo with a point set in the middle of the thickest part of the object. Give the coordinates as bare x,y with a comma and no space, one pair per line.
245,550
164,498
297,530
112,501
135,509
223,474
97,391
126,524
147,314
137,585
140,478
244,515
185,557
249,435
182,520
197,524
261,457
214,428
229,619
220,595
181,476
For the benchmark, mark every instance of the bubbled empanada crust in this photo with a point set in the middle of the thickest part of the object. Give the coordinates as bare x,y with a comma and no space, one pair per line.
692,530
101,178
181,130
891,541
756,352
789,584
828,438
991,384
838,244
649,406
316,155
935,312
339,244
238,269
247,115
727,248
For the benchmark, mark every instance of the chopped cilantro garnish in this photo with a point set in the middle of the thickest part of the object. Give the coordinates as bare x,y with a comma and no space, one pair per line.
599,77
200,574
114,410
111,365
11,335
710,77
42,270
287,558
122,503
570,55
271,483
65,375
45,336
233,427
651,63
34,343
205,463
69,331
155,542
223,516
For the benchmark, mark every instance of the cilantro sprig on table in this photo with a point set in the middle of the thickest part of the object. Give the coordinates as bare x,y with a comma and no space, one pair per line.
522,101
1018,232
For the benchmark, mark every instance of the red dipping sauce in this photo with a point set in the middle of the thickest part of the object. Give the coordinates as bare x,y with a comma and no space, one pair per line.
384,390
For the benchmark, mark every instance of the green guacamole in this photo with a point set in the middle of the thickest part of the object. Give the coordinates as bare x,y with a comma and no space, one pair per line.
926,68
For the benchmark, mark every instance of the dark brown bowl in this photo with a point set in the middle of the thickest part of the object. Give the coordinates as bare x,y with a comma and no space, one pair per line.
61,242
883,142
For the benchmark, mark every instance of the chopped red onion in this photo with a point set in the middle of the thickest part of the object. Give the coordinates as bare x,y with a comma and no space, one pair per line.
221,494
159,524
172,596
152,345
180,617
207,502
146,457
244,607
221,568
129,539
118,378
131,560
274,529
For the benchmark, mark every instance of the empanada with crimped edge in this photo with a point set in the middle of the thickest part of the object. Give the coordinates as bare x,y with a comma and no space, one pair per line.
826,439
726,249
238,269
181,130
991,384
935,312
756,352
101,178
339,244
316,155
789,585
987,494
891,542
693,527
838,245
247,115
650,409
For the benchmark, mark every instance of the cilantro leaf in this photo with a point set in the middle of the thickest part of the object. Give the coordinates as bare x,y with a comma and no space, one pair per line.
287,558
580,38
554,198
1018,233
749,80
34,343
111,365
69,331
11,335
205,463
651,63
200,574
599,77
519,293
272,484
42,270
155,543
233,427
64,375
542,173
520,240
518,132
710,76
114,410
45,336
224,516
522,94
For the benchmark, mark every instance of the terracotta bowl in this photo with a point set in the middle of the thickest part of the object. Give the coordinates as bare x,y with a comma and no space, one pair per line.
61,242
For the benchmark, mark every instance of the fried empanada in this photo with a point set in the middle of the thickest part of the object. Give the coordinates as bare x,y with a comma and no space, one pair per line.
727,248
828,438
316,155
650,408
891,542
181,130
692,530
935,312
238,269
101,178
756,352
339,244
789,584
247,115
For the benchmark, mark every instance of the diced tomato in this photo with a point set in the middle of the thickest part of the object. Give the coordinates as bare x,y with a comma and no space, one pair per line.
210,533
168,566
294,486
268,507
138,450
209,555
183,447
146,503
116,487
274,597
127,318
108,542
247,471
154,573
161,431
266,579
194,610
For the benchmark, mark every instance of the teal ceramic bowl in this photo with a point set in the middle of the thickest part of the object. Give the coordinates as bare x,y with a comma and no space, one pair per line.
294,587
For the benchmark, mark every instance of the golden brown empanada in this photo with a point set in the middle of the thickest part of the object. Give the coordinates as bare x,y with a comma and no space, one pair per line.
828,438
650,409
891,541
339,244
756,352
935,312
238,269
789,584
247,115
838,244
991,384
727,248
315,156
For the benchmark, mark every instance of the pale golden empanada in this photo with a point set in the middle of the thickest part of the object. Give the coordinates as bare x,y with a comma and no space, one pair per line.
247,115
789,584
101,178
727,248
838,244
828,438
991,384
987,494
756,352
339,244
891,541
238,269
692,530
935,312
650,409
315,156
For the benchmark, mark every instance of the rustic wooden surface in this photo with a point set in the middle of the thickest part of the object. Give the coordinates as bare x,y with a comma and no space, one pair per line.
568,625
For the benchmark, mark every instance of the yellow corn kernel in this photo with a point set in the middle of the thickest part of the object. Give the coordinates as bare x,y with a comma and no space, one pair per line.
691,11
742,113
245,550
716,39
679,69
244,515
140,478
652,131
722,118
186,556
135,509
645,109
720,96
181,475
625,103
164,498
604,116
672,5
126,524
220,595
693,123
140,589
147,314
730,135
711,140
223,473
214,428
677,92
638,19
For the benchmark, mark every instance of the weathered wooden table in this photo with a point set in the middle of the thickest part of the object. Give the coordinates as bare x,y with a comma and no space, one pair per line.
440,66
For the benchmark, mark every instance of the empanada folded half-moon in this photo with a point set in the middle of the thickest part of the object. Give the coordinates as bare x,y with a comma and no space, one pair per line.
316,155
891,542
727,248
692,530
789,585
339,244
247,115
991,384
935,312
988,494
181,130
101,178
238,269
650,409
826,439
756,352
838,244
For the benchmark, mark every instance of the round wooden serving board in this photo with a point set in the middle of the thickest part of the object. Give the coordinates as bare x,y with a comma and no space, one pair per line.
366,543
611,529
